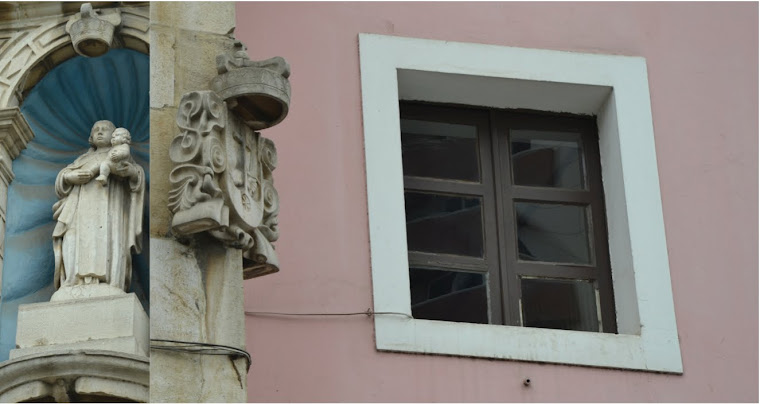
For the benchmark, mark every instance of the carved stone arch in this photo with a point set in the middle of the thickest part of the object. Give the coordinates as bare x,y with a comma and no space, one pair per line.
28,53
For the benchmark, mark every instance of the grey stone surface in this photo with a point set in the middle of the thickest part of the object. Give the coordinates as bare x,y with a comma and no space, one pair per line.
162,67
197,297
116,323
216,18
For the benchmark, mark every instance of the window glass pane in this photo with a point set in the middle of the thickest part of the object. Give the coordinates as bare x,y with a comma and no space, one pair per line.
439,150
448,295
444,224
552,232
539,160
559,304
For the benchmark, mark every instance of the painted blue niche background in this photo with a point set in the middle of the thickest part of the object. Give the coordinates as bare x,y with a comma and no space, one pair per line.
61,110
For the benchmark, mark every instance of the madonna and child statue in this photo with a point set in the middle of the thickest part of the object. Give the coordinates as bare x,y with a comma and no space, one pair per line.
99,217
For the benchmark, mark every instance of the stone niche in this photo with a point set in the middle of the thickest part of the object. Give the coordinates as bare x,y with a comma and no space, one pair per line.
91,342
91,322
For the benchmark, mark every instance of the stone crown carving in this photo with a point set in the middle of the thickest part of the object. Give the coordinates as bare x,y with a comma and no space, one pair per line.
257,91
92,32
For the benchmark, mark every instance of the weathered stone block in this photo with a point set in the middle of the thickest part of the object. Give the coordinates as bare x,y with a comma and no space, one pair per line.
114,323
194,72
211,17
162,68
163,128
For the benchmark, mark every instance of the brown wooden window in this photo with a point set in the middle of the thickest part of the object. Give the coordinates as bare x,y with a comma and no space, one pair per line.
505,218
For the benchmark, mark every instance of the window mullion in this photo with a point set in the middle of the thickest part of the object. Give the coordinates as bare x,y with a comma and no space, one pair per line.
490,224
504,219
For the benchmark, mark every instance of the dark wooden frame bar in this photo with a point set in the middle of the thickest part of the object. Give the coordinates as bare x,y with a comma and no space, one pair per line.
499,194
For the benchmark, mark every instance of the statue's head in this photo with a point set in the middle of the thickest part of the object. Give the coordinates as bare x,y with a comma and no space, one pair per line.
100,135
121,136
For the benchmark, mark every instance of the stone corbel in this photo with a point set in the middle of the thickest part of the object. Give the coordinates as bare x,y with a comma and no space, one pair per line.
222,179
92,31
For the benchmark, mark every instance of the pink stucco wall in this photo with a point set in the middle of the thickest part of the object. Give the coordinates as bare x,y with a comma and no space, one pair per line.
703,63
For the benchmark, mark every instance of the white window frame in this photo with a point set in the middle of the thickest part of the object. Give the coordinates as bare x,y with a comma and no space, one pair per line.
616,90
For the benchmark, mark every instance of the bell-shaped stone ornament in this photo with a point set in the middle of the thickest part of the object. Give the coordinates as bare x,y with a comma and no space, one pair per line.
257,91
92,32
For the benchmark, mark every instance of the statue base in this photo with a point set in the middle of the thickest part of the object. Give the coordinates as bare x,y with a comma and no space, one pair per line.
86,292
110,323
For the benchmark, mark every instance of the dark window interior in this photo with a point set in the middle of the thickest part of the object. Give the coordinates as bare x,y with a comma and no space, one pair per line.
505,218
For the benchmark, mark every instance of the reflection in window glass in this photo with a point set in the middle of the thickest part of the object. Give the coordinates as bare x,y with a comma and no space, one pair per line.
559,304
444,224
547,163
552,233
439,150
448,296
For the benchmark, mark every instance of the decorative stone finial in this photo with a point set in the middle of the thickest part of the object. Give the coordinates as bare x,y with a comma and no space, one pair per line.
92,32
257,91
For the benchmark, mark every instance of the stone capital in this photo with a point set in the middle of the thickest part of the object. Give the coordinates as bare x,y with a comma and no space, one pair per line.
15,133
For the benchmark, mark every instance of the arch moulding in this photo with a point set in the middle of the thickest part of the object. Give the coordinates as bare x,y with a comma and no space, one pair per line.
31,48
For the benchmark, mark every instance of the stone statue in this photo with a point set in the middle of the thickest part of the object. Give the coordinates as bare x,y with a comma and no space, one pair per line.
98,226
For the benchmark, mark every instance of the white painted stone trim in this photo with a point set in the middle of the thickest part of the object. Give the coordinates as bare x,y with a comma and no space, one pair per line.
616,89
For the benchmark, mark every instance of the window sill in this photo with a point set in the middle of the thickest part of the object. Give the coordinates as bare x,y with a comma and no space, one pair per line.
400,334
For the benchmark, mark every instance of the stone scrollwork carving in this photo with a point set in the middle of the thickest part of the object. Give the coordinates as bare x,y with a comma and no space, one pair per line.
195,197
222,181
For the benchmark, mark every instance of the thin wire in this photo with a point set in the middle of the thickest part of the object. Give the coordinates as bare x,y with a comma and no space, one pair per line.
201,348
368,313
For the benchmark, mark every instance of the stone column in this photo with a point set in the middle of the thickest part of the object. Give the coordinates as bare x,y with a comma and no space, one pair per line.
196,288
14,135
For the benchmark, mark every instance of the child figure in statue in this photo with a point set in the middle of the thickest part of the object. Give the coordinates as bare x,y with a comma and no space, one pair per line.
118,154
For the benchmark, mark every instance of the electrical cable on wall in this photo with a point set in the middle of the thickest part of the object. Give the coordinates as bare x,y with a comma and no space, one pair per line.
204,348
201,348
